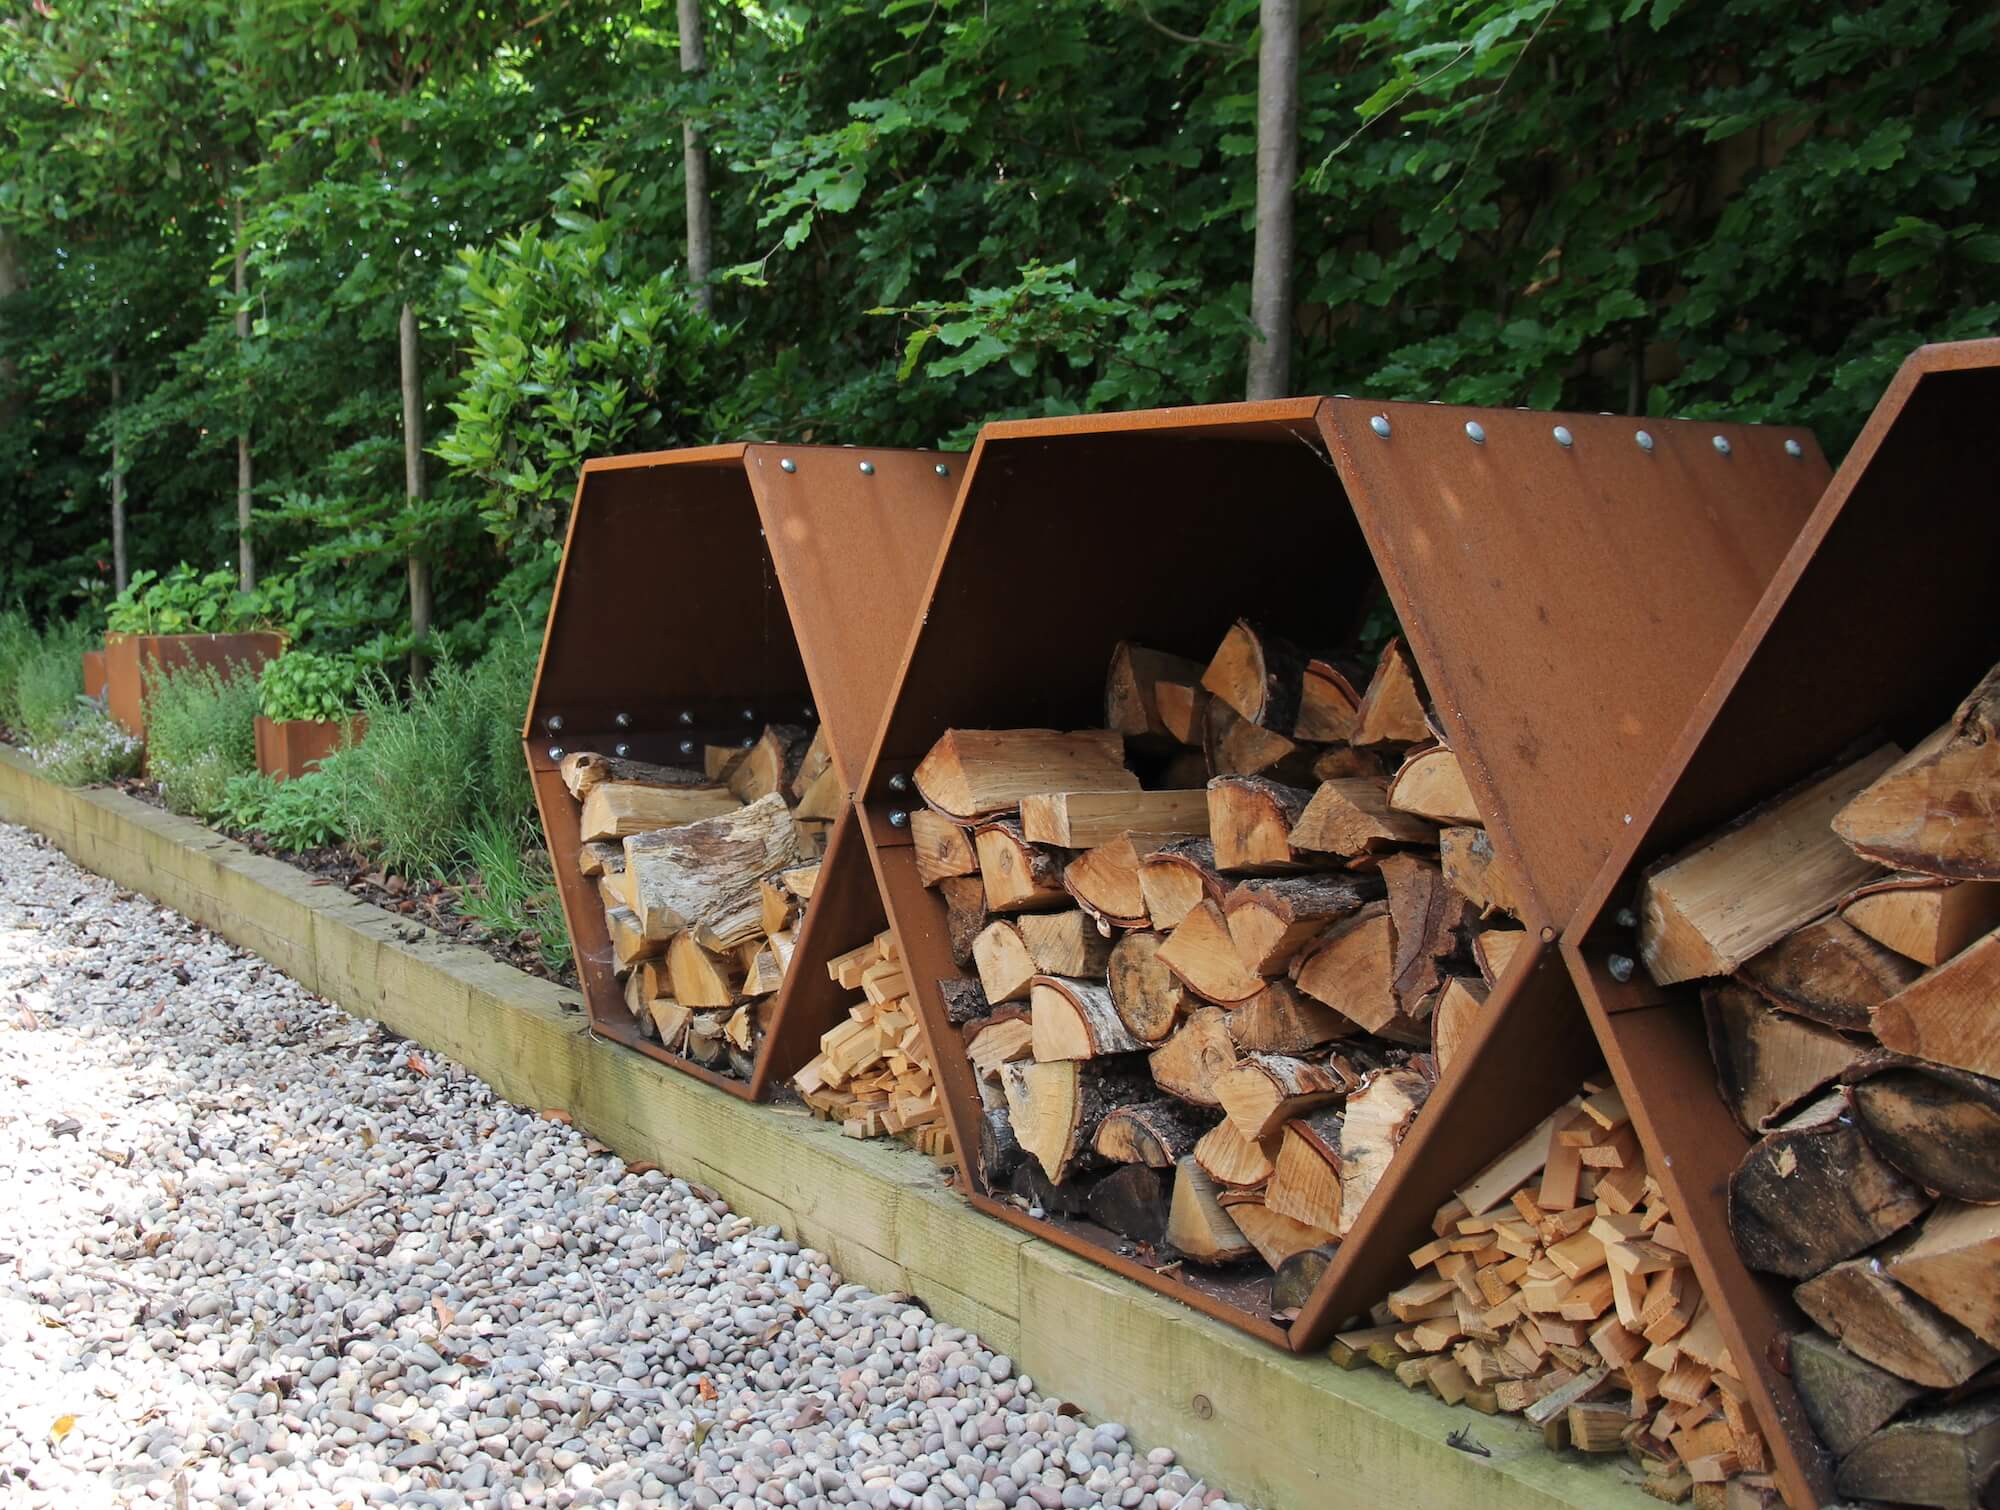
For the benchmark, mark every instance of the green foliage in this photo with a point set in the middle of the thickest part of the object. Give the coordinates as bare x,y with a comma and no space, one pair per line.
48,685
185,601
201,730
301,814
306,684
89,751
514,893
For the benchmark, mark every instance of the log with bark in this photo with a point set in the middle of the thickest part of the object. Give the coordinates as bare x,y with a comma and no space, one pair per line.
1933,811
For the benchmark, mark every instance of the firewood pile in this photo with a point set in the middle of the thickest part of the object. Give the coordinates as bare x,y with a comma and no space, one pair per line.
1559,1288
1844,939
704,875
1224,946
873,1072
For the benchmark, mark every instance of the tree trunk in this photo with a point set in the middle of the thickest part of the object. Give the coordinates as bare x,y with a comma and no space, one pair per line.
119,572
694,61
413,487
1270,366
246,553
10,284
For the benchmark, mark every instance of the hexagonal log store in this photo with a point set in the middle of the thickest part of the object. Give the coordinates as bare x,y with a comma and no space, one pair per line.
1873,631
1565,587
706,596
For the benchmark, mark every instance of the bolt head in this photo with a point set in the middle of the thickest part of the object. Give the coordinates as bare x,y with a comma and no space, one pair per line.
687,746
686,717
899,782
748,741
1627,918
621,749
556,752
1722,445
898,818
1794,450
788,465
1621,967
942,470
1644,438
1475,432
1563,437
868,469
749,715
807,711
623,720
1380,425
554,721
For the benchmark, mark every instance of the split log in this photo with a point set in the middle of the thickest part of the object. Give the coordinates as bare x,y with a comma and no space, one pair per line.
1149,997
1202,954
1271,920
825,797
763,975
814,767
1494,950
1299,1275
964,915
1260,676
1374,1123
1083,820
1954,1263
1351,968
583,771
629,944
1431,784
1043,1197
708,869
1768,1062
1131,1201
1055,1108
1345,763
1947,1457
1188,1063
1196,1223
1831,972
1430,920
775,906
670,1021
1250,821
1065,943
1231,1159
1940,1126
1947,1015
1392,709
1305,1176
1157,1133
1276,1237
1006,968
1777,868
1105,881
1846,1398
1330,705
1074,1019
772,764
1263,1092
601,857
1232,746
617,809
973,774
1280,1019
1177,877
1922,917
1454,1018
1000,1152
942,847
1352,816
963,1001
1019,877
1933,810
1813,1192
701,977
998,1041
1183,708
1131,689
1480,874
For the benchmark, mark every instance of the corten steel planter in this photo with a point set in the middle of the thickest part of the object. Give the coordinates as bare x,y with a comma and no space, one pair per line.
703,594
1567,601
289,747
131,659
93,672
1876,624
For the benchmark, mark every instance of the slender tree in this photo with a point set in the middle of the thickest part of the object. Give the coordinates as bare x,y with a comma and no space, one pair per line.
413,487
1270,364
246,552
120,573
694,157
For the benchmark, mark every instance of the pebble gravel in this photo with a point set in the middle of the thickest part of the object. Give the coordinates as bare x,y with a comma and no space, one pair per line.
257,1253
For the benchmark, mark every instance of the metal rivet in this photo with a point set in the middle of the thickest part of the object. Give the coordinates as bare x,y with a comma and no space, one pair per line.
899,782
749,715
621,749
898,818
1476,431
942,470
807,711
788,465
1563,437
1794,449
687,746
623,720
1627,918
748,741
1621,968
686,717
554,722
868,469
1722,444
1380,425
556,752
1644,438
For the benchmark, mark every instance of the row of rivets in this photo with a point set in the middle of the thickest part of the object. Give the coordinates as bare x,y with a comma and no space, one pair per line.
1476,433
867,467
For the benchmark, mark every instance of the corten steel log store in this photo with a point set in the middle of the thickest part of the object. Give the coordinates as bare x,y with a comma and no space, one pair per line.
1836,649
703,594
1568,585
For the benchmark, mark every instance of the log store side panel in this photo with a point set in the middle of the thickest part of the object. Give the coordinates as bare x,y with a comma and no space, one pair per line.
1877,622
692,584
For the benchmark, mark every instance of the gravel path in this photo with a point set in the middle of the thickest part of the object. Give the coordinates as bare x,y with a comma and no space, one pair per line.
256,1253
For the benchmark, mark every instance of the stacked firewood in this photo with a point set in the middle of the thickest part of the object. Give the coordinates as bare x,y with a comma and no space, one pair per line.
1559,1287
1224,946
1844,936
703,876
873,1072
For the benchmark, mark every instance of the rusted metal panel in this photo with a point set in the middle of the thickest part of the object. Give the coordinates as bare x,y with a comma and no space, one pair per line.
702,594
1875,625
130,660
289,747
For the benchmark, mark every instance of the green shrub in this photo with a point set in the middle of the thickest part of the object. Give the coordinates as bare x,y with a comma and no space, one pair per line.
515,894
186,601
307,684
301,814
90,751
48,682
201,730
